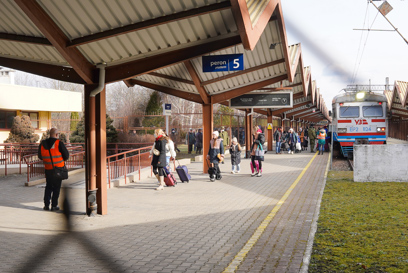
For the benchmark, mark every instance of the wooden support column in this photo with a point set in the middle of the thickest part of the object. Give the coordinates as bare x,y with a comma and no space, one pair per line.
90,144
208,121
270,131
248,133
101,184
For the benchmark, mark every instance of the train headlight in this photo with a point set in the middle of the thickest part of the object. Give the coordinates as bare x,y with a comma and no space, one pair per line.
380,129
341,130
360,95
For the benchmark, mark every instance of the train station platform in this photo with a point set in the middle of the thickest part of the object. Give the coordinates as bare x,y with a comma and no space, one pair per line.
237,224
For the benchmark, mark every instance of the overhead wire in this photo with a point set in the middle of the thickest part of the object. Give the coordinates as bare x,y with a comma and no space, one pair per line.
359,45
362,52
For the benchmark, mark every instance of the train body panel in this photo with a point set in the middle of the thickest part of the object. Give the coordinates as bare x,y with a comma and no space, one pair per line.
359,120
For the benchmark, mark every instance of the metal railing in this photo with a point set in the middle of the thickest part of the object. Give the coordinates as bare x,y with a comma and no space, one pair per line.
122,164
14,153
35,166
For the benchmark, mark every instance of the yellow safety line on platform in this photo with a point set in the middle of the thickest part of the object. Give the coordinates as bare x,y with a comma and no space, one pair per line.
239,258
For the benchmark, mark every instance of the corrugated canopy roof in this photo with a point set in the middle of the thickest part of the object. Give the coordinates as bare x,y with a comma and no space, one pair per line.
156,45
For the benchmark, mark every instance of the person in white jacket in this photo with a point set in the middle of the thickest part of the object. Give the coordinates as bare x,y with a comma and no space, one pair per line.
170,151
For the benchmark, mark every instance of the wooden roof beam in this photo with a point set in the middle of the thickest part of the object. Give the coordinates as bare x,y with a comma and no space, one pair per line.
25,39
250,34
246,89
283,110
150,23
168,77
57,38
174,92
55,72
197,82
132,69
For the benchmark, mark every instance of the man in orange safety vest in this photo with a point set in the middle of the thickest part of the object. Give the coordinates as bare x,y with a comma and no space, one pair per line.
54,154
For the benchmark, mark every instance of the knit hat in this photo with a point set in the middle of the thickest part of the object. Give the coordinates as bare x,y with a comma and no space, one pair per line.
215,133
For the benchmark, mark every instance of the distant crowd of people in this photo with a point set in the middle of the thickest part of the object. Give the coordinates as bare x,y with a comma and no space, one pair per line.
293,142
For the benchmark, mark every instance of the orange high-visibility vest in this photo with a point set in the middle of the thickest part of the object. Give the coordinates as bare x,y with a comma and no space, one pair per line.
56,156
321,135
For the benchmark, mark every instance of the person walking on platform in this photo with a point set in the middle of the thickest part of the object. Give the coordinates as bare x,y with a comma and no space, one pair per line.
235,152
225,137
190,140
312,136
199,141
292,140
159,156
54,154
278,139
257,153
215,155
321,140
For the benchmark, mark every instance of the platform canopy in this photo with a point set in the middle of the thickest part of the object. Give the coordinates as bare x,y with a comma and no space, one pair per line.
159,45
397,100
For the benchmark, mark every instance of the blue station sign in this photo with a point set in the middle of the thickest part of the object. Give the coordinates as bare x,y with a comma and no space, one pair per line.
217,63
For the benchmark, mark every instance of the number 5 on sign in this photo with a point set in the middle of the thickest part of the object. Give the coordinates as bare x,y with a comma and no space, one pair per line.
237,62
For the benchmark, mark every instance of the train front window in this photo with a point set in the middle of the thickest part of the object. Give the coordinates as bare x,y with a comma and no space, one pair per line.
372,111
349,111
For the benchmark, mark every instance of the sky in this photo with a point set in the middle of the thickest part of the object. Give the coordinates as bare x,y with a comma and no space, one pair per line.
333,49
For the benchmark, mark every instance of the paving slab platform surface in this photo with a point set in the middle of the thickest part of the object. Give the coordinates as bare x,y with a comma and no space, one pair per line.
200,226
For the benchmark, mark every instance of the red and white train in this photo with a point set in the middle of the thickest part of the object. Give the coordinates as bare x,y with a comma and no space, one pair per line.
359,117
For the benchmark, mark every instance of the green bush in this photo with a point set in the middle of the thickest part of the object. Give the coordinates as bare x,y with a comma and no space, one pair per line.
22,131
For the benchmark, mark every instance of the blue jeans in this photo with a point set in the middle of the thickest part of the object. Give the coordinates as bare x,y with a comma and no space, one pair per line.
321,147
278,146
237,167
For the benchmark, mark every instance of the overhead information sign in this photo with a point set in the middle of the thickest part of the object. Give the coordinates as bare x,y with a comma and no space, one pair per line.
263,100
217,63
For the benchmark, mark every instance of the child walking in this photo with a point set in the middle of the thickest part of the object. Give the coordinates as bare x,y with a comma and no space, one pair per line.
235,151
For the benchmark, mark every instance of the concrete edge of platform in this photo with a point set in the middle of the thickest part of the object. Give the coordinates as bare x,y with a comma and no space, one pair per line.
42,180
309,246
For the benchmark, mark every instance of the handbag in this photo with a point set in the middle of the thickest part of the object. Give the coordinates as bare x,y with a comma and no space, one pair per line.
156,152
59,172
259,153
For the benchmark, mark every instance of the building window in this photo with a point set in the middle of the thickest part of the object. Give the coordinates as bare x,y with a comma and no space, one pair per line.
6,119
33,117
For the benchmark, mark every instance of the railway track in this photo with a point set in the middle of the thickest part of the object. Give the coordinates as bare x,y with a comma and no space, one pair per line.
351,163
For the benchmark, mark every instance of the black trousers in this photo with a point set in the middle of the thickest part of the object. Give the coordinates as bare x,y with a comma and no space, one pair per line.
158,170
217,170
190,148
52,189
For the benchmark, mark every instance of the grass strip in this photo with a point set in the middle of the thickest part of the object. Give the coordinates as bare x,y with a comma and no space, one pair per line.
362,227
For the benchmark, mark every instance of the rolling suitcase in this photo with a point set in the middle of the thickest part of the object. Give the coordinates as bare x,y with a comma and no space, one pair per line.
182,172
169,178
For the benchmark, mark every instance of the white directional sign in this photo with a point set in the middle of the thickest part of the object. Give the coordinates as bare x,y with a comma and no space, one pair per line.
167,109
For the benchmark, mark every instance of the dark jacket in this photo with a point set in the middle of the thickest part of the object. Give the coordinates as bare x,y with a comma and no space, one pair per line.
260,140
216,147
235,154
160,160
278,136
47,144
190,138
199,139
